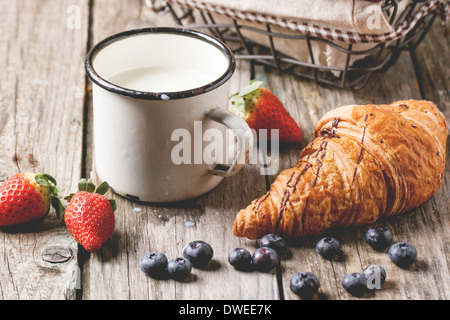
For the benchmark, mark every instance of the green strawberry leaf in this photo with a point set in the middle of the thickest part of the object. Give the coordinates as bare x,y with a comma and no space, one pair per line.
57,205
69,197
239,104
241,98
54,190
47,180
234,95
42,180
253,85
50,178
113,204
102,188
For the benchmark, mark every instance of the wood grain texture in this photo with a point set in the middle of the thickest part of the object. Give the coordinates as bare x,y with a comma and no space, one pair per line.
46,125
41,120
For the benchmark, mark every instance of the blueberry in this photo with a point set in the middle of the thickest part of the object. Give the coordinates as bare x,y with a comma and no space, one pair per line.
240,258
375,275
304,284
179,268
154,264
273,241
199,253
354,283
328,248
265,259
379,238
403,254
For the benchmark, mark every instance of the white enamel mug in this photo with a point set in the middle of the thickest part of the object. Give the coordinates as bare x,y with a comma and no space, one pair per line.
134,122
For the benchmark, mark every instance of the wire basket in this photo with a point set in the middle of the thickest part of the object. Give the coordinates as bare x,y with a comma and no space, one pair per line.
359,65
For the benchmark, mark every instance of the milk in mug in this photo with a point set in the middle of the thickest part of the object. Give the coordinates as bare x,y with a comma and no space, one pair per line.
162,79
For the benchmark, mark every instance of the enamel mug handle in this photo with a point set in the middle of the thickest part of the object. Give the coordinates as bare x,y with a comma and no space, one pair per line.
239,128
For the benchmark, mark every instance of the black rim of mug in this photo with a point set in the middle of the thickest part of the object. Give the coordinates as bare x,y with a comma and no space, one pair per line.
136,94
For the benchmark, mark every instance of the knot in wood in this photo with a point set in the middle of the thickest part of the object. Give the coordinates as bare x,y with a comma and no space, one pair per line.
57,254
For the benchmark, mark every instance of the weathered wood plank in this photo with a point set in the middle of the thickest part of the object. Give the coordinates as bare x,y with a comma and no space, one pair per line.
113,272
41,124
41,129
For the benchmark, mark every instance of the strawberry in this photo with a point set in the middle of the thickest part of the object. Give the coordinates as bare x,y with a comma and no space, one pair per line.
261,109
27,197
89,216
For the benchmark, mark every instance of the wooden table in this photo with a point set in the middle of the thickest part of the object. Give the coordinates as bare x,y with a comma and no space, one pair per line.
46,126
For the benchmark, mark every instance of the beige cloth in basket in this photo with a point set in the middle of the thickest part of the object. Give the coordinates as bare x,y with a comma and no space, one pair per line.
359,16
353,16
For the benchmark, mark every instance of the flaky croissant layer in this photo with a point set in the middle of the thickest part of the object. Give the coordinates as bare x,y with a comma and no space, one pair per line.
365,163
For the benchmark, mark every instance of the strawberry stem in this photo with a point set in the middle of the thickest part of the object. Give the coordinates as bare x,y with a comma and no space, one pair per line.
86,185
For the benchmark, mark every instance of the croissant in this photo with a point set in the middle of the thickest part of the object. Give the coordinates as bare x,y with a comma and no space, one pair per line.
365,163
